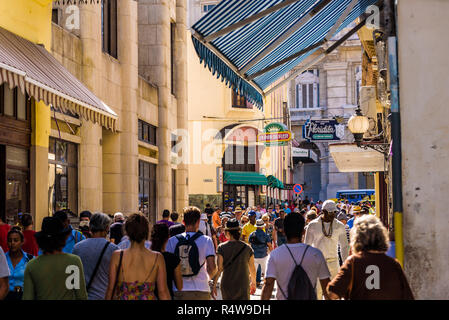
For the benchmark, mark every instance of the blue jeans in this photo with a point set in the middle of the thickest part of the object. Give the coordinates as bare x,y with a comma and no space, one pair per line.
259,275
281,240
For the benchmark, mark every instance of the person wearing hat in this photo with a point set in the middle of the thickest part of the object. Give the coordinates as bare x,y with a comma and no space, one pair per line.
235,260
206,229
238,212
261,245
357,211
326,233
54,275
221,233
249,227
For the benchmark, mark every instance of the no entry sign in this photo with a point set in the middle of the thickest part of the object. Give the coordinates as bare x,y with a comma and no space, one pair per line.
297,188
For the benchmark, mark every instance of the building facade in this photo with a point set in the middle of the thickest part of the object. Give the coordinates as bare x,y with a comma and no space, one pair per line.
227,163
132,55
329,90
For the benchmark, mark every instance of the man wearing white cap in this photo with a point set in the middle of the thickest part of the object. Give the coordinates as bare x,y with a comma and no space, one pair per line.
326,233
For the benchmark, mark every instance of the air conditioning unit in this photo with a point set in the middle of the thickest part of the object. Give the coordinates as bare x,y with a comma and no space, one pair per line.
368,107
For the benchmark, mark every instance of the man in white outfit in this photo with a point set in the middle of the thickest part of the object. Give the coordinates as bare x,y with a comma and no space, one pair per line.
325,233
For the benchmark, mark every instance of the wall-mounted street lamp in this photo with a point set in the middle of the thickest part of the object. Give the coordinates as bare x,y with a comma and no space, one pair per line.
358,124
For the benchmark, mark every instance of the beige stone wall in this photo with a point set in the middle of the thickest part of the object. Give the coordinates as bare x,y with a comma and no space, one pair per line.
108,162
423,82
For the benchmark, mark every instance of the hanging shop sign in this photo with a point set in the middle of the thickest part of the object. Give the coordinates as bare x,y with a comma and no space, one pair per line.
323,130
275,134
219,179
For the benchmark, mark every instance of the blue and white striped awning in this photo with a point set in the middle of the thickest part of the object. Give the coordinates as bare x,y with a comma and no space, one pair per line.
239,56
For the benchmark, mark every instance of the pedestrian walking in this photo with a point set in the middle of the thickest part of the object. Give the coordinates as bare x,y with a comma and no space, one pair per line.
159,239
235,260
29,243
134,272
74,236
249,227
4,229
17,260
204,225
176,229
84,223
209,211
261,245
197,254
284,260
95,254
279,234
269,227
4,275
310,216
326,233
369,274
116,229
46,276
174,218
165,217
216,219
343,218
221,230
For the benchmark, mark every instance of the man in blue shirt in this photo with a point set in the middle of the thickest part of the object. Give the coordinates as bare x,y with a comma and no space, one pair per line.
260,242
287,210
74,236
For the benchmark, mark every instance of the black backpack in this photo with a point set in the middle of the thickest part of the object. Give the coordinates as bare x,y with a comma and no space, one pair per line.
299,286
187,251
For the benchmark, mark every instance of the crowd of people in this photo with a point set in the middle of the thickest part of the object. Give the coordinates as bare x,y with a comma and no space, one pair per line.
301,250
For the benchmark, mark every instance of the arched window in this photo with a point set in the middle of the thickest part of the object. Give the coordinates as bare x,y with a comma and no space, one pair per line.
308,90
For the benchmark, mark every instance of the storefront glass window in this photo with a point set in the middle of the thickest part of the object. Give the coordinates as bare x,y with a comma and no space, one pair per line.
62,176
147,190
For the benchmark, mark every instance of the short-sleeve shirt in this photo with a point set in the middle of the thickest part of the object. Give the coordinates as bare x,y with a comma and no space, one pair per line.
74,237
206,249
247,229
167,222
30,244
376,276
89,251
18,272
235,279
4,229
216,221
259,243
46,278
4,269
280,265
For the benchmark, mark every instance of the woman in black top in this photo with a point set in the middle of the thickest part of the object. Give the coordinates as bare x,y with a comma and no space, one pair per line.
159,239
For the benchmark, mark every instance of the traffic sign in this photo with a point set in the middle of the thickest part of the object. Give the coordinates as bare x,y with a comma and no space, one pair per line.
297,188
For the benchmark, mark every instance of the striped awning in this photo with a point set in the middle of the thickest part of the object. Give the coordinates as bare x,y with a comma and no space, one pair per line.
252,43
35,71
244,178
274,182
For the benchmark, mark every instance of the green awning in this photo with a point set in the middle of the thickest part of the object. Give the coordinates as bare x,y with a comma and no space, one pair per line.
244,178
274,182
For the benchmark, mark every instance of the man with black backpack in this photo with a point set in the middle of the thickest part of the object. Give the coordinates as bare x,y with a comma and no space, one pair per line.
295,266
197,254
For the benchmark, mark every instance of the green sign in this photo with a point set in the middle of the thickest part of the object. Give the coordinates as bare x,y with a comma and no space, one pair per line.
275,134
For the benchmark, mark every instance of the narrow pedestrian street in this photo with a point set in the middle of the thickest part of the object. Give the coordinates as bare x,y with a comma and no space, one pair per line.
231,150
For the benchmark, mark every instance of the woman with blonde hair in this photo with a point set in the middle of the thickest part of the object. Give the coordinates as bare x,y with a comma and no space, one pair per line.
369,274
